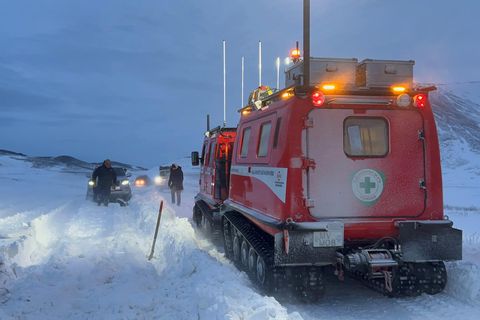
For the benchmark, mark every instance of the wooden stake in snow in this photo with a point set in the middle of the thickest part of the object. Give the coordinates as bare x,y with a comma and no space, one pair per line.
156,230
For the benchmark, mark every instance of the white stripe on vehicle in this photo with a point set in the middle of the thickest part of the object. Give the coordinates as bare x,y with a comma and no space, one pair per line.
274,178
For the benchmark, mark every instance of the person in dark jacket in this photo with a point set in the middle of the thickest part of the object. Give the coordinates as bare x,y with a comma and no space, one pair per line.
175,182
104,178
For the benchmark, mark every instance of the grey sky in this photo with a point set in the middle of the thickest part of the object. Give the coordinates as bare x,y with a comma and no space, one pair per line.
133,80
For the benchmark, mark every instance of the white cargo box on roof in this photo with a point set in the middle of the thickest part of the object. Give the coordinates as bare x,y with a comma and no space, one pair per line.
323,70
384,73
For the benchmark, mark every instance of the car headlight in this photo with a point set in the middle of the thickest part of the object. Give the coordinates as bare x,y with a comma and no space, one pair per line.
91,183
158,180
125,182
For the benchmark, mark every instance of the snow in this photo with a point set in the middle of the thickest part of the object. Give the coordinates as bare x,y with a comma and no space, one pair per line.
66,258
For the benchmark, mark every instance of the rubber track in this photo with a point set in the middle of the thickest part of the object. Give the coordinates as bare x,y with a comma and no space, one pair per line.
305,283
215,231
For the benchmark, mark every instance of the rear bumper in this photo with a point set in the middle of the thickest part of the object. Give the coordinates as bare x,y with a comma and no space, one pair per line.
124,194
120,194
420,241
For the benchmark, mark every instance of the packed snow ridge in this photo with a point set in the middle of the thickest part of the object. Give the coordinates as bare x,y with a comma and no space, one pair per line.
65,258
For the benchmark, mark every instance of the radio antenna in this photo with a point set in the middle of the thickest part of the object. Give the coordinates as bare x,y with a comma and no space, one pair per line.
306,44
243,78
278,72
259,63
224,86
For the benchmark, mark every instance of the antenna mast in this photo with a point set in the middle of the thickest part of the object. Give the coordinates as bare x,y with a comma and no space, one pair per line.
224,87
243,77
259,63
278,72
306,44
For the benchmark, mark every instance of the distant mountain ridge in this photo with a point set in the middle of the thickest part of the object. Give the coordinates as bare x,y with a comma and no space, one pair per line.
69,162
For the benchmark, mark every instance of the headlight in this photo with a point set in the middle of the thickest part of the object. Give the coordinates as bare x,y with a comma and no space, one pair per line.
91,183
140,183
158,180
125,182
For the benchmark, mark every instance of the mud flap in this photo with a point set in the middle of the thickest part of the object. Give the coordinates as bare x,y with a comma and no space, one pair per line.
301,250
430,241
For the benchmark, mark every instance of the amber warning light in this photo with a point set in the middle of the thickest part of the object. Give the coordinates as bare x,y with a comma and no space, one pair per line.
329,87
295,54
398,89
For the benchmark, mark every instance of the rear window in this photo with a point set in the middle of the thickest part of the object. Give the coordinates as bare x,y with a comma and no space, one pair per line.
245,139
365,137
211,154
264,138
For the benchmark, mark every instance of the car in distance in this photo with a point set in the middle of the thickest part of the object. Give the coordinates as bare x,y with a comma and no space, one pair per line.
163,175
121,193
142,181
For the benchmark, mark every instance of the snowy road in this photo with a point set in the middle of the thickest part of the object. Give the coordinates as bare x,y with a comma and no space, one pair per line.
66,258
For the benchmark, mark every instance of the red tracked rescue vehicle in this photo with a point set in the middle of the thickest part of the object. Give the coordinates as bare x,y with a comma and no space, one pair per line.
342,172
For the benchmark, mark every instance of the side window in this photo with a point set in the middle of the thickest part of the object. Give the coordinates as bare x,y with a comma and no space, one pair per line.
264,139
202,159
212,153
365,137
277,131
245,140
207,156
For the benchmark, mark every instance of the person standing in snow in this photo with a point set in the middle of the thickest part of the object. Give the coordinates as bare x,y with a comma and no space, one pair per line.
104,178
175,182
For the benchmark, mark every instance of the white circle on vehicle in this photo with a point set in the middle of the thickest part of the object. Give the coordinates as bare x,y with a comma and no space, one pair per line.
404,100
367,185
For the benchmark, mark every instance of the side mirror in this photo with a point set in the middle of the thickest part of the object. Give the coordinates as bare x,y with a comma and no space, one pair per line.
128,174
195,159
88,175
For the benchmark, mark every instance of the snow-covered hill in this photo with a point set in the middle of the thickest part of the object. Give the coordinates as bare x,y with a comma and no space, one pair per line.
457,113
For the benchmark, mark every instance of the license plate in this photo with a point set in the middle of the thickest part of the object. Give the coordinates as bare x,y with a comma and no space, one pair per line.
116,188
333,237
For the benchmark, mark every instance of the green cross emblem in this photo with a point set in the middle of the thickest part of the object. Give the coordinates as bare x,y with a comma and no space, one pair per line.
367,185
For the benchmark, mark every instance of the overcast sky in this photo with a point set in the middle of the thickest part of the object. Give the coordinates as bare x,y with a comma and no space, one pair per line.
133,80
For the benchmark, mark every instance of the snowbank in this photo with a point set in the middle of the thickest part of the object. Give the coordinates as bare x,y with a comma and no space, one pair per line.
80,261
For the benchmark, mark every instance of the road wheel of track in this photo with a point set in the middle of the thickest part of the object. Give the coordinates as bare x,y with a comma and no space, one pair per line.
236,248
244,249
252,261
227,239
262,271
